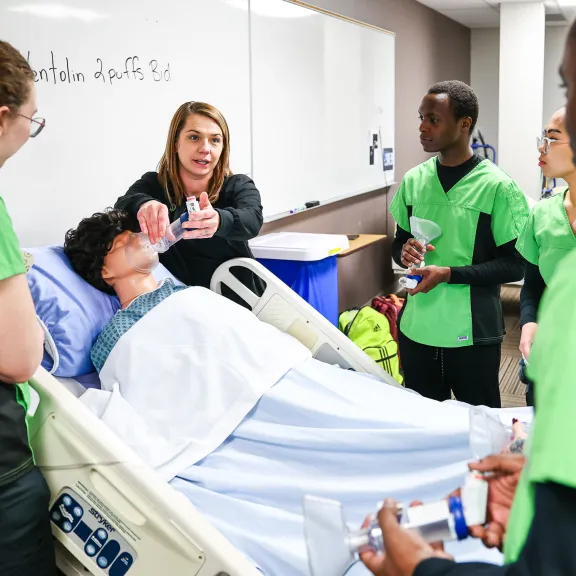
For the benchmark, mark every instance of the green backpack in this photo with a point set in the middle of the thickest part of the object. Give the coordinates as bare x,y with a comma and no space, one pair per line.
370,330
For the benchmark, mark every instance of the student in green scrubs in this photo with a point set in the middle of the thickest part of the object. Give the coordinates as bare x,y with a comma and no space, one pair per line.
26,547
451,328
541,531
550,233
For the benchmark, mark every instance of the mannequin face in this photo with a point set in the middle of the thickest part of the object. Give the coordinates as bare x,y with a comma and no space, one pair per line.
116,265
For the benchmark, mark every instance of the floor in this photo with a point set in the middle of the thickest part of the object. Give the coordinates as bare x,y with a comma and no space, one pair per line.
512,391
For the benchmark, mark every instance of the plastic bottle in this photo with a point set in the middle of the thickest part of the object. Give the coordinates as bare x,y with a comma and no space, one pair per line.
332,548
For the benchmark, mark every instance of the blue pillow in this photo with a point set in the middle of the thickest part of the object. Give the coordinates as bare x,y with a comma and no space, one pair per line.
73,311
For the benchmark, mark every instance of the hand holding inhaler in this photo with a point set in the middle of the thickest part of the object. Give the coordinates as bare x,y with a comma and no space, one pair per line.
413,252
406,533
204,223
142,254
497,450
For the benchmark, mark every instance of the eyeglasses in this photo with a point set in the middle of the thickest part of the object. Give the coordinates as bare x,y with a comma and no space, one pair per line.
545,143
36,124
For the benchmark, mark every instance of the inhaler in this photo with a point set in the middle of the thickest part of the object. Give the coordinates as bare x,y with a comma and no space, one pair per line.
424,231
333,548
143,256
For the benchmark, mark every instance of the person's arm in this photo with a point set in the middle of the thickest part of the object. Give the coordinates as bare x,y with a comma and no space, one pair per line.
549,548
139,193
509,216
508,266
531,294
400,238
21,338
242,219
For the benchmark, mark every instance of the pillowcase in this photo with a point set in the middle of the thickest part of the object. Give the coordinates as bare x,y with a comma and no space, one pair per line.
73,312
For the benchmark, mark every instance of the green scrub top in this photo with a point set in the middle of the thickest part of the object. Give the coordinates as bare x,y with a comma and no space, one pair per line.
443,317
548,236
553,369
12,264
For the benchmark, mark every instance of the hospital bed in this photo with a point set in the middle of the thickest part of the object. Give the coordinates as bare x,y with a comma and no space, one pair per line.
111,514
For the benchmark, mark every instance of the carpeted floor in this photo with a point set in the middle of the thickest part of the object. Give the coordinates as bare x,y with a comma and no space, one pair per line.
511,389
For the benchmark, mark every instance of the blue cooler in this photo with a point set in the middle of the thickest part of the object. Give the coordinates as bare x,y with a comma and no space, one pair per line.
305,262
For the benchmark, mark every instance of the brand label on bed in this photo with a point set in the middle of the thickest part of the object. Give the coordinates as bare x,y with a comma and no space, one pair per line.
102,520
92,532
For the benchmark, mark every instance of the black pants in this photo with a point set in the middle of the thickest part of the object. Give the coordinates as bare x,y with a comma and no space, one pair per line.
472,372
26,546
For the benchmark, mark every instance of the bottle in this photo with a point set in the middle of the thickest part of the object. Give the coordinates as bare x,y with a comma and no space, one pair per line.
175,231
333,548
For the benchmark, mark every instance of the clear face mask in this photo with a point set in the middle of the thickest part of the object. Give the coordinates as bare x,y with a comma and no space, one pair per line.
140,254
425,231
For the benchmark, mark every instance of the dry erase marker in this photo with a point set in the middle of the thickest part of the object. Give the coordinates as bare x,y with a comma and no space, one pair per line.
299,209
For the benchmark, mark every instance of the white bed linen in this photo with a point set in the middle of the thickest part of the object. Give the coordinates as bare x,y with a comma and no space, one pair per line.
335,434
180,380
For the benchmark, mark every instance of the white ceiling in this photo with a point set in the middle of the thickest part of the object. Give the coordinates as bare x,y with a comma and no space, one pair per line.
486,13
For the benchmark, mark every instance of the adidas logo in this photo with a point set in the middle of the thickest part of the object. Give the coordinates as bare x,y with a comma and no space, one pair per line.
377,328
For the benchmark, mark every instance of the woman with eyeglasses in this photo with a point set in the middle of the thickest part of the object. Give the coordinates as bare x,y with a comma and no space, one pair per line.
26,547
550,233
196,163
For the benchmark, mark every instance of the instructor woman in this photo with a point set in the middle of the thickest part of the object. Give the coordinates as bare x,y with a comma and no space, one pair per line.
196,163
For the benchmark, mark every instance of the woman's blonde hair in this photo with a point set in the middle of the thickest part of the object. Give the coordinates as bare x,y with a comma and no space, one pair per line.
169,165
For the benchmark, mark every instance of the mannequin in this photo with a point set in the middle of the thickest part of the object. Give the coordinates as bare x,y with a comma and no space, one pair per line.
119,274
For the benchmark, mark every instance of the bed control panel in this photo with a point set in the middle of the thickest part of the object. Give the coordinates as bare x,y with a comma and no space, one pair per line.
93,533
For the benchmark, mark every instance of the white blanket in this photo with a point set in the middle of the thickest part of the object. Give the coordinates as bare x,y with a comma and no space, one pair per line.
180,380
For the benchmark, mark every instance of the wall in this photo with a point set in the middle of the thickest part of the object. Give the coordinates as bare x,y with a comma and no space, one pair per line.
484,71
485,52
554,96
429,48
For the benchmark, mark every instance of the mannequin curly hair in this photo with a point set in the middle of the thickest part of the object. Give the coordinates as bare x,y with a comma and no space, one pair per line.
87,245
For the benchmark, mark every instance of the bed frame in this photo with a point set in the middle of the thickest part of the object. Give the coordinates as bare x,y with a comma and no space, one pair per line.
111,514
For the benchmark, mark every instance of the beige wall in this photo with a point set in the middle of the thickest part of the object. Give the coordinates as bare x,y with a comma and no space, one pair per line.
429,48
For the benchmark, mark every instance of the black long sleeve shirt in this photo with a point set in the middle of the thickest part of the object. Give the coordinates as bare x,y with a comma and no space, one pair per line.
195,261
531,294
548,551
507,266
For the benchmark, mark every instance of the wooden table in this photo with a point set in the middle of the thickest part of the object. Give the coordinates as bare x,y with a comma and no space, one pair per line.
362,241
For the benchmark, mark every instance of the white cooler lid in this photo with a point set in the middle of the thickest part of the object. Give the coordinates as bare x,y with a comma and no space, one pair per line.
300,246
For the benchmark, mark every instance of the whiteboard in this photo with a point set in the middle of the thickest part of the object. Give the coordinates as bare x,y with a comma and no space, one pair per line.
321,87
109,76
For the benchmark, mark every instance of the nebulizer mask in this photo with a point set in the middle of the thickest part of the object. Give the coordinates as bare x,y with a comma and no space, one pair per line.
425,231
143,256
